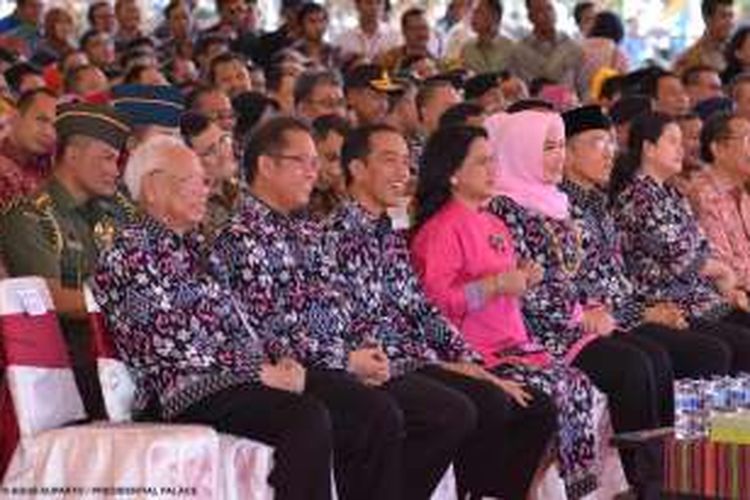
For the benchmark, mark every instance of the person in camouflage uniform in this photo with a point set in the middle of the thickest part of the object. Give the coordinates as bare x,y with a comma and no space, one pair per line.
57,232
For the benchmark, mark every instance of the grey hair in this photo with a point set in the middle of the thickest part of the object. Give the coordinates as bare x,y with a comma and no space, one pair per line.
146,158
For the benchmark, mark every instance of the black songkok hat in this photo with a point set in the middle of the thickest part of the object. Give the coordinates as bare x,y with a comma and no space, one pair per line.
585,118
97,121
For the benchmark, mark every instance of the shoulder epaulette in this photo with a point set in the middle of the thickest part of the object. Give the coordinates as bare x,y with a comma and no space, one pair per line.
42,206
129,209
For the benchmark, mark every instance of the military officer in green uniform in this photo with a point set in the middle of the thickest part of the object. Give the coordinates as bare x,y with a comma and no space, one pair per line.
58,232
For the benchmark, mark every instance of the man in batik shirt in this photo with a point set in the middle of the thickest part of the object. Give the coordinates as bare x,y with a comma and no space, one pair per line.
602,278
184,336
276,263
391,308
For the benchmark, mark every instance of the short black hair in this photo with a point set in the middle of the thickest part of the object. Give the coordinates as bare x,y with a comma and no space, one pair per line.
191,101
716,128
579,10
308,9
357,145
192,125
411,12
309,80
495,6
16,73
88,36
92,8
530,105
171,6
611,87
459,114
250,108
140,43
225,58
207,40
27,98
269,139
608,25
651,85
709,7
323,125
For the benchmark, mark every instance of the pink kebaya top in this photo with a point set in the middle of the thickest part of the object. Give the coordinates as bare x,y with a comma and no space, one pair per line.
452,252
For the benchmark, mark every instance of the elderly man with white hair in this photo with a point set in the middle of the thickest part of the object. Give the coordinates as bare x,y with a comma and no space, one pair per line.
186,339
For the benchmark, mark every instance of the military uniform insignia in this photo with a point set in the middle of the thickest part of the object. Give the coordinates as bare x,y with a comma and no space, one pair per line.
126,206
104,233
42,202
42,205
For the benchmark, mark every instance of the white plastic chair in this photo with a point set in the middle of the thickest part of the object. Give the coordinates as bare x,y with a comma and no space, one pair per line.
45,399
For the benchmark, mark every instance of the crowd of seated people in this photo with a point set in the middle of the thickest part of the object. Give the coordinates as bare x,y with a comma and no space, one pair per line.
576,232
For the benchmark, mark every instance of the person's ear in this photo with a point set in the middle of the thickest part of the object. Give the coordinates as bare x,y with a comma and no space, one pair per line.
149,190
357,170
265,167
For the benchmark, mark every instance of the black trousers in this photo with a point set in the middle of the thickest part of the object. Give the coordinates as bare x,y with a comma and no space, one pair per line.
624,371
660,366
625,374
78,341
437,419
734,330
297,426
368,433
694,353
500,457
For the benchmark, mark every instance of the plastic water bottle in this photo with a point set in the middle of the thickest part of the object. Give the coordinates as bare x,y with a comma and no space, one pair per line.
741,392
722,394
690,419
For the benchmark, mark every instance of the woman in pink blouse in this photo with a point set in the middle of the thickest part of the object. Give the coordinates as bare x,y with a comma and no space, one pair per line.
467,264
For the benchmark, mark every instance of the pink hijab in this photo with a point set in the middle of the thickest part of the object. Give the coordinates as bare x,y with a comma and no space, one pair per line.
517,140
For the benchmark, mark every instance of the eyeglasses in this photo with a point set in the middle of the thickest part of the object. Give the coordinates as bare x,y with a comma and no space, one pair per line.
300,161
224,144
745,139
221,115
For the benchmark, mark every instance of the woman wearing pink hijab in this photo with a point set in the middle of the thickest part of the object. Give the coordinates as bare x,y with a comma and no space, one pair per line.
529,148
467,265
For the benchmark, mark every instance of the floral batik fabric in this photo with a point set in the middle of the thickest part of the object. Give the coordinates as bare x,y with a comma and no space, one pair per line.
180,332
276,264
576,440
602,277
390,305
664,248
551,309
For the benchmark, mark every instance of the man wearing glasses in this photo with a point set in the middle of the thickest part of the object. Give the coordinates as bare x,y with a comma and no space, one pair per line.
274,259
